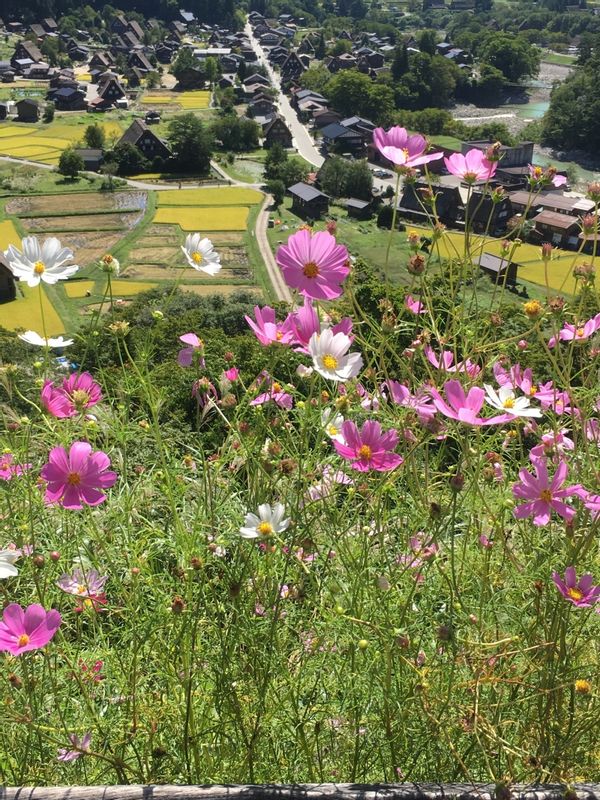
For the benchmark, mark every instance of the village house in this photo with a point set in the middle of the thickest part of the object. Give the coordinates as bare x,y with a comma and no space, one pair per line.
307,201
110,92
68,98
550,201
3,111
321,119
92,158
139,61
292,67
28,110
147,142
38,31
337,138
561,230
413,205
487,216
517,156
100,61
359,209
119,24
50,25
25,52
8,288
277,131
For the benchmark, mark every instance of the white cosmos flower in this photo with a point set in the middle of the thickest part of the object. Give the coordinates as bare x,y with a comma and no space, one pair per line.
270,520
201,254
7,563
45,262
330,356
31,337
332,422
505,400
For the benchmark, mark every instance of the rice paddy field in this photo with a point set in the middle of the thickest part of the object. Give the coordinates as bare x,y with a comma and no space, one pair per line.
45,143
196,100
144,231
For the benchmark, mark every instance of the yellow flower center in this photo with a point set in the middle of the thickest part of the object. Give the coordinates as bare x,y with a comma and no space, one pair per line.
80,398
406,153
310,270
197,257
579,332
39,267
279,336
537,172
365,452
73,478
546,495
330,361
583,686
107,259
276,387
575,594
332,430
23,640
81,589
265,529
533,390
532,308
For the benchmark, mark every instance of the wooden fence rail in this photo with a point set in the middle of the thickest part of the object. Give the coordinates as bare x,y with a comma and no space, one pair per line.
325,791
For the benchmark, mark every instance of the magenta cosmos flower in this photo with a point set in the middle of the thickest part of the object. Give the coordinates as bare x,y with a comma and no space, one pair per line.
543,493
72,397
402,149
31,629
80,746
266,328
577,333
87,587
8,468
314,263
305,321
582,593
471,167
368,448
464,407
77,478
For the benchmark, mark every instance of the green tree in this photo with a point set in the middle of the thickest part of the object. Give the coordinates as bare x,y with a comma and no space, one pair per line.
491,83
427,41
277,189
191,143
512,55
94,136
315,79
359,180
347,91
569,122
188,70
236,133
212,70
70,163
332,176
400,62
378,105
340,46
320,47
128,158
48,113
275,158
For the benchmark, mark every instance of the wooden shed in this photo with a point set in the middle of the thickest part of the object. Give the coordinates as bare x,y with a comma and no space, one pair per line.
8,289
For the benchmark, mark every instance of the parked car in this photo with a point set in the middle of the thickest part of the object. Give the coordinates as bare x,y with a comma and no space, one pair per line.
382,173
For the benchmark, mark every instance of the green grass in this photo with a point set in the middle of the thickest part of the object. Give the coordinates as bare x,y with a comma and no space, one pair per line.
559,58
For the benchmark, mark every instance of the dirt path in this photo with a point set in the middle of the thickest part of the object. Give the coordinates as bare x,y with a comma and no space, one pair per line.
279,285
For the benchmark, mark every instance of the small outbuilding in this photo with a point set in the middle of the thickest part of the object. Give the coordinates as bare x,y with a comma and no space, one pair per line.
92,157
359,209
28,110
498,269
307,201
8,288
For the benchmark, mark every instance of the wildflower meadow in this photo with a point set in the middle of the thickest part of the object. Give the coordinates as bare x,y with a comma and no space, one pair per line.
352,539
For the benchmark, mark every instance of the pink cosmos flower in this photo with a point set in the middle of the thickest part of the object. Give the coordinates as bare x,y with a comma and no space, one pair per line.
592,503
232,374
274,395
80,746
326,486
538,177
266,328
463,407
553,445
577,333
420,402
401,148
422,549
471,167
77,477
88,587
74,396
543,493
186,354
581,593
305,321
415,306
314,263
8,468
368,448
29,629
446,362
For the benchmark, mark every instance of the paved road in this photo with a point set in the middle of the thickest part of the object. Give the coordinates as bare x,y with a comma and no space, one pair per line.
303,141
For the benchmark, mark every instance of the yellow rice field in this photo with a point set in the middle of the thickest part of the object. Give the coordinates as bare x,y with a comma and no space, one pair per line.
78,288
232,218
125,288
24,312
46,143
528,256
8,235
191,101
227,196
